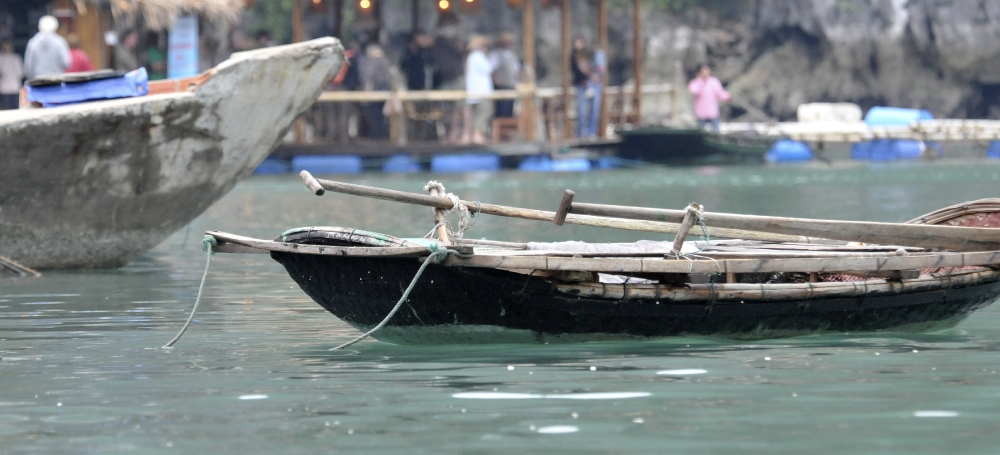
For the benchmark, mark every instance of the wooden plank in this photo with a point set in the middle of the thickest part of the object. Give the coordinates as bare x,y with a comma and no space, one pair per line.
266,245
928,236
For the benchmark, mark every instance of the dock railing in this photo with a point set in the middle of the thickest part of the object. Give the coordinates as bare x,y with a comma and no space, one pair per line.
425,115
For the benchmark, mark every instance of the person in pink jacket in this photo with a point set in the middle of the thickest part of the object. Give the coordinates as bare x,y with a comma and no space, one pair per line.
707,92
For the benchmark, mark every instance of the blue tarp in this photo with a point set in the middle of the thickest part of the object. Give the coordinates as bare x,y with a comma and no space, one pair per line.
133,83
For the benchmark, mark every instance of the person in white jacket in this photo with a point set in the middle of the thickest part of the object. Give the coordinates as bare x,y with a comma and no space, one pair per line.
478,81
47,52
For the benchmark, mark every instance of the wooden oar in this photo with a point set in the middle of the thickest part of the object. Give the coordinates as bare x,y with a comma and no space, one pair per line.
921,235
319,187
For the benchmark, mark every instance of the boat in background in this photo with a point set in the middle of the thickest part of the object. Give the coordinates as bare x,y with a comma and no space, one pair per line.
692,146
94,185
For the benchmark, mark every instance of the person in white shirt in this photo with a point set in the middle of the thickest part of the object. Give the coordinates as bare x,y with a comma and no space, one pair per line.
478,81
11,73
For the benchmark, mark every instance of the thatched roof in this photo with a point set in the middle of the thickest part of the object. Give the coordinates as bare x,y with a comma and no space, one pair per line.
160,14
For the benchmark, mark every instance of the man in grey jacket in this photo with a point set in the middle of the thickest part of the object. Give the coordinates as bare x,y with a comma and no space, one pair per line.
47,52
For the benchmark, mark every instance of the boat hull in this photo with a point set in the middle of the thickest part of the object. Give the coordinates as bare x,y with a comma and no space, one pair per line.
454,304
691,147
95,185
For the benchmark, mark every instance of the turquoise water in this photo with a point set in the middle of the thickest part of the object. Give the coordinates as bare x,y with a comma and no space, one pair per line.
82,371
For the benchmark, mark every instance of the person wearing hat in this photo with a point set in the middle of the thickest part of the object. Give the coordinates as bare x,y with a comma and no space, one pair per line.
47,53
478,81
508,69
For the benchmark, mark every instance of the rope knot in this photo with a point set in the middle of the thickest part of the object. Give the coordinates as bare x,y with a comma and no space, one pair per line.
209,244
465,219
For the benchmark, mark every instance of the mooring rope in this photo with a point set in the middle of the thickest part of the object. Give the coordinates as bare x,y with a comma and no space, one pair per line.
208,243
465,218
437,255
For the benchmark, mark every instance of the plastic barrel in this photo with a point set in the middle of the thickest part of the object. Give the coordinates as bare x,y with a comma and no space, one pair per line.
327,164
273,166
539,163
571,165
470,162
400,163
994,150
788,151
895,116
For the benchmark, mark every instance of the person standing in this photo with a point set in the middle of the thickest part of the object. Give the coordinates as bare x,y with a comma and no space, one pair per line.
79,60
376,75
156,57
508,69
707,91
587,74
11,73
478,82
125,59
47,53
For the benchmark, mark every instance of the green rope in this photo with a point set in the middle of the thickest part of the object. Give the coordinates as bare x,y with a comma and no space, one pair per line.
437,255
208,243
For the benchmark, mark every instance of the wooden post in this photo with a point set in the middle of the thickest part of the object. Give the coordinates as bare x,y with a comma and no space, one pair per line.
300,124
439,220
564,207
566,70
337,7
602,39
528,126
297,36
675,88
637,61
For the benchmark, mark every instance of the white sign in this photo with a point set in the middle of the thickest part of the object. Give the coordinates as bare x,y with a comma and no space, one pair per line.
182,48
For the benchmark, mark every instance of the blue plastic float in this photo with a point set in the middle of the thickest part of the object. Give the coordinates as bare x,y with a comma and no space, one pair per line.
273,166
788,151
400,163
543,163
893,149
327,164
469,162
993,151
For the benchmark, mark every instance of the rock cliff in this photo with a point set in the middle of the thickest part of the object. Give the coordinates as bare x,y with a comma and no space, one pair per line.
941,55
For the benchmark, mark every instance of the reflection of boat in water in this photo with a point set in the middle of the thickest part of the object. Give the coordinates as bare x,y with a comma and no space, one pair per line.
692,146
498,291
97,184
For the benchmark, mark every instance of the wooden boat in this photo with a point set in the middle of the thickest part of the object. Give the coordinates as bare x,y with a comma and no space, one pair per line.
97,184
774,285
693,146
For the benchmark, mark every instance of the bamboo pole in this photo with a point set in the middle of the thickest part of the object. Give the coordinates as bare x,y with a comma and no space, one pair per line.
531,214
927,236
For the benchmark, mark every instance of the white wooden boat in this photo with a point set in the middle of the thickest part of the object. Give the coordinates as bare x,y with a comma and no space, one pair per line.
97,184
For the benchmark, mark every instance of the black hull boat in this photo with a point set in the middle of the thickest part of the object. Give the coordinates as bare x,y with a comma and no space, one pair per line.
769,281
475,305
676,146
